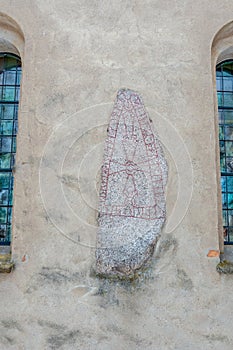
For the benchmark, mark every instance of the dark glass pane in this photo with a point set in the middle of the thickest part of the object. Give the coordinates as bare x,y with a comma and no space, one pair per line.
225,221
6,127
15,127
230,200
17,94
1,64
18,78
218,72
228,99
228,117
7,111
1,78
3,232
8,232
230,218
14,144
227,84
4,180
221,133
222,147
5,144
223,183
9,214
229,161
227,69
10,78
220,99
13,160
10,197
219,83
11,63
229,148
230,184
228,132
224,200
221,117
16,112
8,93
230,234
3,215
222,162
4,197
5,161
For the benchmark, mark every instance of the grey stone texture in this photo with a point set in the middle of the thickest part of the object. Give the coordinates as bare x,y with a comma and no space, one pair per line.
132,205
76,55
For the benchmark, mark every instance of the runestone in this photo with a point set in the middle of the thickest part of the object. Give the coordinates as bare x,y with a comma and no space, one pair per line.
132,207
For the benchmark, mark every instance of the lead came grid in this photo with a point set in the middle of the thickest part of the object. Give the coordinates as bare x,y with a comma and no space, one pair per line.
224,80
10,74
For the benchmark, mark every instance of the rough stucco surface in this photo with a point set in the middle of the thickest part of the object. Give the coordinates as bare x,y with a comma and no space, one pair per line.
77,55
132,193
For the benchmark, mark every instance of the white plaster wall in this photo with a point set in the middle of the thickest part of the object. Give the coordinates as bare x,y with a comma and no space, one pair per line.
77,55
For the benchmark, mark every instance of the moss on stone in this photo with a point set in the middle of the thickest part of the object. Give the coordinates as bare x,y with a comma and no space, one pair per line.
225,266
127,278
6,264
118,277
5,257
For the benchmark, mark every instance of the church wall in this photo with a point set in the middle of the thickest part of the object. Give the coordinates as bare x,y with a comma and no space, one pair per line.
76,55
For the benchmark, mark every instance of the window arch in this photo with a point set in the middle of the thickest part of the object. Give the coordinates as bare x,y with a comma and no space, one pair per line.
10,75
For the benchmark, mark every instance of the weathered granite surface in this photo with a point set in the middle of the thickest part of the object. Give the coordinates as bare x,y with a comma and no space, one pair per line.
132,199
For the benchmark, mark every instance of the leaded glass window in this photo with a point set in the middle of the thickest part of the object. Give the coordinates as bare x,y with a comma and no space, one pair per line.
10,74
224,80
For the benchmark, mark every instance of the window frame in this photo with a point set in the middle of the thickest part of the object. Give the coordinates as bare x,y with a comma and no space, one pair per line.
226,176
8,150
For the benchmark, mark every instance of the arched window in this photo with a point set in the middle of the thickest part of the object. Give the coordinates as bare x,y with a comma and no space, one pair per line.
224,81
10,75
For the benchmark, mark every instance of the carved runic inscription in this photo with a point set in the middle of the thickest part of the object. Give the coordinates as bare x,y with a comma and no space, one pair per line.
132,200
